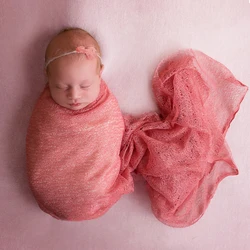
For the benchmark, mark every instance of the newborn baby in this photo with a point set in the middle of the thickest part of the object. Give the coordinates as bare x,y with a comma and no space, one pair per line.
75,133
80,156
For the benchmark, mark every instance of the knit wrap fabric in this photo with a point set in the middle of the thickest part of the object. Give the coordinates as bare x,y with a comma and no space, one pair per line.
181,151
73,158
79,163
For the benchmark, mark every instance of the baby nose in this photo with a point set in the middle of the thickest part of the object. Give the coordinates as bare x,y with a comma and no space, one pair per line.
73,93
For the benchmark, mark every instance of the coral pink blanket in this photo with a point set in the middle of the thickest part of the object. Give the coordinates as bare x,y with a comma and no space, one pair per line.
73,157
181,152
80,163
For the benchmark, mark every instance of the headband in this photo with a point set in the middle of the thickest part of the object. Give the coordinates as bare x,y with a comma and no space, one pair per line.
89,52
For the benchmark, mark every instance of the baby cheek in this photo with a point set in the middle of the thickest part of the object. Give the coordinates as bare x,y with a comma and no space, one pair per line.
60,94
95,93
88,95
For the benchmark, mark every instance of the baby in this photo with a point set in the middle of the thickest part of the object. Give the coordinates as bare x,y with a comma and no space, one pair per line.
80,157
75,133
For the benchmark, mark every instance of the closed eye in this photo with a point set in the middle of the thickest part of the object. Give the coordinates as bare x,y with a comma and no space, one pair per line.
84,87
68,87
58,87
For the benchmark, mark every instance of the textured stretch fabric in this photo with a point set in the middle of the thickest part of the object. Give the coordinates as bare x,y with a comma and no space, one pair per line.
181,150
79,163
73,158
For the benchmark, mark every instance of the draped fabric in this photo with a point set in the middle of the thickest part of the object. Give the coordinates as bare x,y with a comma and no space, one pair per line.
181,151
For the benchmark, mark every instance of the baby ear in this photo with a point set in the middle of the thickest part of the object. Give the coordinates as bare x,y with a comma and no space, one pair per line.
101,70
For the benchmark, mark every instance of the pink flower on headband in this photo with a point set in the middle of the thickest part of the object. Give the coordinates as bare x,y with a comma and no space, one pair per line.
90,52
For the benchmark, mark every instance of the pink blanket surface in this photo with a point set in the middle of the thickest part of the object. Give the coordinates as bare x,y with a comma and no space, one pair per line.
80,162
181,151
73,158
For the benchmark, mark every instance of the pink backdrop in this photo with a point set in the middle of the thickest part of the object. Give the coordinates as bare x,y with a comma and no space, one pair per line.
134,36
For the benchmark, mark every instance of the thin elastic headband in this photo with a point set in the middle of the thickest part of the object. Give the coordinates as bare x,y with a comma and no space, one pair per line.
90,53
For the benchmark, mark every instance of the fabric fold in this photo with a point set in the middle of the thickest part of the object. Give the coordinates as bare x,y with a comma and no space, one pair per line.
181,151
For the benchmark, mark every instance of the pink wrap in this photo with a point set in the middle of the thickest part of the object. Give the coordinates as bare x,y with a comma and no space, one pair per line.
74,167
182,152
73,157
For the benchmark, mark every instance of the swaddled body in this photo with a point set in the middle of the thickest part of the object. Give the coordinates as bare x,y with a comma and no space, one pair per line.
75,133
73,157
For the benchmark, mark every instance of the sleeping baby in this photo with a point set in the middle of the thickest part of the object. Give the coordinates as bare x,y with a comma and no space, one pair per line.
75,133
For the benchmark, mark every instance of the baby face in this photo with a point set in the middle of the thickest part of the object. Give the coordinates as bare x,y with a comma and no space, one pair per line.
74,81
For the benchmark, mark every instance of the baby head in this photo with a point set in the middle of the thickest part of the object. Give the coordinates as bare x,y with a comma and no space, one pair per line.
73,67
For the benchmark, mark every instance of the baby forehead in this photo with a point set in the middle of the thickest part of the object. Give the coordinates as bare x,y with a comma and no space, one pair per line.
74,62
68,41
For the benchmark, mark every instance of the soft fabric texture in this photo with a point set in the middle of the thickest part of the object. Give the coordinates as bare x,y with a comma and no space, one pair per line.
181,151
73,157
74,167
